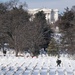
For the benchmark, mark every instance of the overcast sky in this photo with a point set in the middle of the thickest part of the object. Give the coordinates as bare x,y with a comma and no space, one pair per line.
53,4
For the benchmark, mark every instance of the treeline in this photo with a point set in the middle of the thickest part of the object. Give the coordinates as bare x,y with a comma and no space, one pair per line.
22,34
66,24
19,31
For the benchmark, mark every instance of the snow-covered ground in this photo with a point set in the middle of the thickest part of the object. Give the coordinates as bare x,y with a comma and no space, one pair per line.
35,66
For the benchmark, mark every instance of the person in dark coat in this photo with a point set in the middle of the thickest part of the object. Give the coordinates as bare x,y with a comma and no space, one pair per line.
58,62
4,52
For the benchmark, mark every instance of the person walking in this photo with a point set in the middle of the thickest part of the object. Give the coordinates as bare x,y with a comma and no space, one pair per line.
4,52
58,62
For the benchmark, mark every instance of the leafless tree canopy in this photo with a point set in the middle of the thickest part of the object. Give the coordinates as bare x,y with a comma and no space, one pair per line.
21,33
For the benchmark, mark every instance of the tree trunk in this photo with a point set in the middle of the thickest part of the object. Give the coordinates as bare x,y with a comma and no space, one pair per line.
16,53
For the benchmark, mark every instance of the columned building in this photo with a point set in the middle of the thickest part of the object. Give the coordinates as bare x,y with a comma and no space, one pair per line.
51,14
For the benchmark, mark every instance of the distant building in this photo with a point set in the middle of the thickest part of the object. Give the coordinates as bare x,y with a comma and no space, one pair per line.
51,14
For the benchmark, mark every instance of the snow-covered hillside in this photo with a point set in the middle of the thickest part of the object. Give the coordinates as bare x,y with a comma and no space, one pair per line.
36,66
